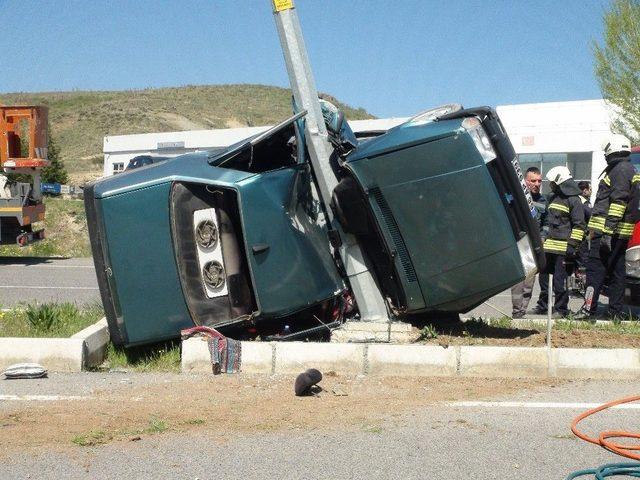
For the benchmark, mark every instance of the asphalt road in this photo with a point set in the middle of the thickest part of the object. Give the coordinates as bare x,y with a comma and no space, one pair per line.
498,440
500,305
26,280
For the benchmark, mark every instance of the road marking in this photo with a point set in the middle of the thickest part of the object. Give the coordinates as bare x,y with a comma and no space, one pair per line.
569,405
40,398
48,288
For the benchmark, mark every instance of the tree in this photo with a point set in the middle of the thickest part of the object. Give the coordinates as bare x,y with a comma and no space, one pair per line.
617,64
55,172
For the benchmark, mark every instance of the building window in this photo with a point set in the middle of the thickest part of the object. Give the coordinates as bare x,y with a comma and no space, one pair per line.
118,167
579,164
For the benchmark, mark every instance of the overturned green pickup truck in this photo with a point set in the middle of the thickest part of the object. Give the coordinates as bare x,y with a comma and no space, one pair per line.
238,239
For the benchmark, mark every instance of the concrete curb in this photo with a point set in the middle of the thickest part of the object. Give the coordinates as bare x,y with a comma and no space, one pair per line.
84,349
423,360
96,338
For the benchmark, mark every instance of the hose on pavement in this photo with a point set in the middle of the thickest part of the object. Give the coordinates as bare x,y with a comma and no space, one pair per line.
603,440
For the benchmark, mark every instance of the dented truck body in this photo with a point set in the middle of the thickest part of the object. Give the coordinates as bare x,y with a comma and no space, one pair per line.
240,237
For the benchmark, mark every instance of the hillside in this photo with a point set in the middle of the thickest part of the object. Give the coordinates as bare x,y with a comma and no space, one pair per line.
80,120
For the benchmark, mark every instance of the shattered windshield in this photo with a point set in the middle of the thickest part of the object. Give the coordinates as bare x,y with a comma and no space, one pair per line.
270,150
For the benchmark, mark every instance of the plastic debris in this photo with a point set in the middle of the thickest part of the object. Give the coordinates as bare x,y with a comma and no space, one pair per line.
25,370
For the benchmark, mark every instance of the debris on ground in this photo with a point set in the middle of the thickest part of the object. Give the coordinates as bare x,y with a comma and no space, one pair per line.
338,391
226,353
306,380
25,370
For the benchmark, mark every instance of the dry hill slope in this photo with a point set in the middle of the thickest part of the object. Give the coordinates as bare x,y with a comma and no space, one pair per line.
80,120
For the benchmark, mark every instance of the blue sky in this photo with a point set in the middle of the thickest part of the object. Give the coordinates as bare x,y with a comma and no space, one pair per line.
393,58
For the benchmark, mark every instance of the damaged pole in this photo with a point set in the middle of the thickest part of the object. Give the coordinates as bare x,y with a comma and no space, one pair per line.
370,302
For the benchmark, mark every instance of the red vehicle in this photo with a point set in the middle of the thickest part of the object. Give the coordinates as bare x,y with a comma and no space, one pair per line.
632,259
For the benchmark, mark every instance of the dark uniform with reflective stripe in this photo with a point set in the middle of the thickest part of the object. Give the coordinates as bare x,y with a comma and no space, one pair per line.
583,252
611,217
566,232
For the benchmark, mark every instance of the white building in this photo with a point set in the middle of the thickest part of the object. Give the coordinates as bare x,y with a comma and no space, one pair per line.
119,149
543,134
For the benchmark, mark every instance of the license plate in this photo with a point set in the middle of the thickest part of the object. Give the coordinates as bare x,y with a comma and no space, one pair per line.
523,184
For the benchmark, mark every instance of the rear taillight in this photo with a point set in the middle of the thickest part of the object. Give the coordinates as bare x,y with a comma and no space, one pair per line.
634,241
632,257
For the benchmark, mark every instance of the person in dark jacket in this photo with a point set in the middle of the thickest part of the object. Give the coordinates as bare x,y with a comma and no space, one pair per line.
610,226
521,292
583,253
566,232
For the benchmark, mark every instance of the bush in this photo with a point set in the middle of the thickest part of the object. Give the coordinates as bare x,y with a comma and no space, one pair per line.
43,317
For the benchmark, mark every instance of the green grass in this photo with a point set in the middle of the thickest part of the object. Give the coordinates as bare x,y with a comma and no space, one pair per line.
66,232
156,425
164,357
427,332
96,437
194,421
48,320
99,437
568,325
80,120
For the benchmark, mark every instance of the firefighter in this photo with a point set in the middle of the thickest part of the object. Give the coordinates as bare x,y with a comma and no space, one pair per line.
610,226
566,232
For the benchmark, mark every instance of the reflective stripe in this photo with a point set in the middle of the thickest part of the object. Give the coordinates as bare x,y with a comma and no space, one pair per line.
636,178
596,223
577,234
557,206
616,210
555,245
607,180
624,229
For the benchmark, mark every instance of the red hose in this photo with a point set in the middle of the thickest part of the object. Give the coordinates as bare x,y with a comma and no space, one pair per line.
624,450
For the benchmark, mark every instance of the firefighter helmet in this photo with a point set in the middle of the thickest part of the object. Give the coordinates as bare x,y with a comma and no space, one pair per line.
558,175
616,143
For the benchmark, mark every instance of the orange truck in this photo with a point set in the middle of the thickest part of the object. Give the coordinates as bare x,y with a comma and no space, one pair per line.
23,150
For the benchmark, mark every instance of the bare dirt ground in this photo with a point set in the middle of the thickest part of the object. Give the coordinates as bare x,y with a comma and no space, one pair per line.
227,405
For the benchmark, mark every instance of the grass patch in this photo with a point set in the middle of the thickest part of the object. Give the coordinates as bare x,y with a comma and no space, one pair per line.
163,357
48,320
98,437
625,327
372,429
156,425
427,332
90,439
194,421
66,233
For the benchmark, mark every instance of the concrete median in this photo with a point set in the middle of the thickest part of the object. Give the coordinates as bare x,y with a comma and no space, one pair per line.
342,358
422,360
411,360
84,349
503,362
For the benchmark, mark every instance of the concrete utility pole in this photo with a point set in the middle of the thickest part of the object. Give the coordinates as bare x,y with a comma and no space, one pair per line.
371,304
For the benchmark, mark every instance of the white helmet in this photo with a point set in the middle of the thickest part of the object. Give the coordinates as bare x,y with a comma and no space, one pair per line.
616,143
558,175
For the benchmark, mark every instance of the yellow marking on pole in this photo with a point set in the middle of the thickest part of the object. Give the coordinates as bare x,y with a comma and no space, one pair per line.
10,209
280,5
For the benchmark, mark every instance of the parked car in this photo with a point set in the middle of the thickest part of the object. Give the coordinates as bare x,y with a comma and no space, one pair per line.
144,160
239,239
